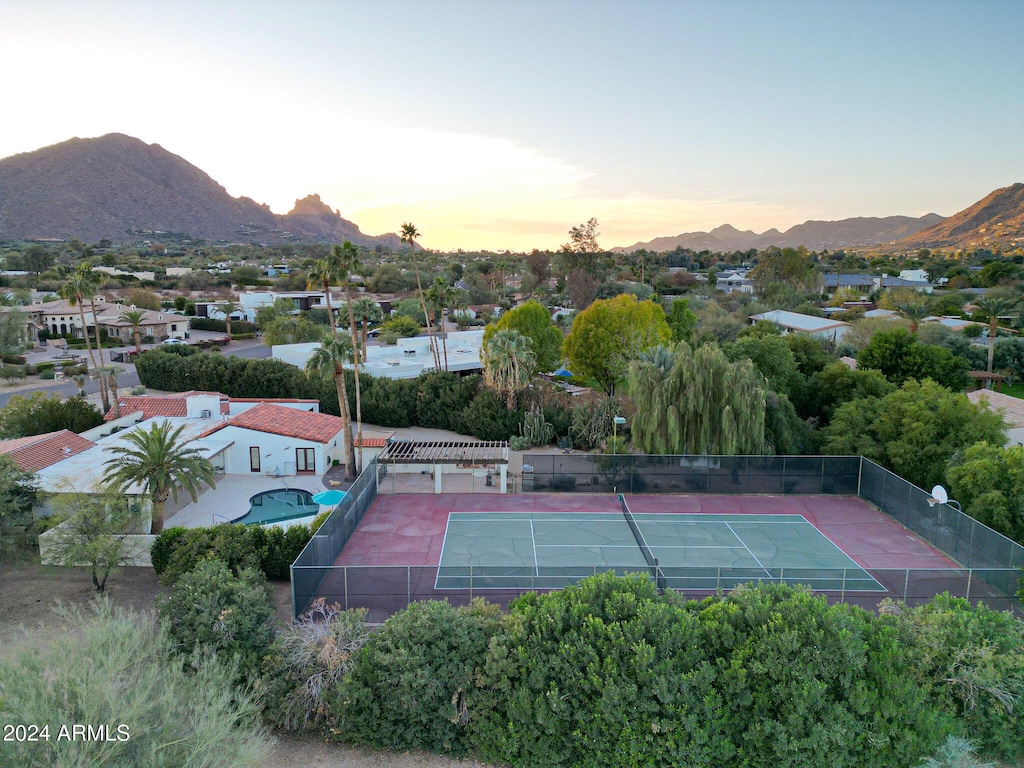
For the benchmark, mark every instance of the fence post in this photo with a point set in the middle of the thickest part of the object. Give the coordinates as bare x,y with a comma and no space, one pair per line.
842,594
408,586
470,582
345,574
970,573
906,584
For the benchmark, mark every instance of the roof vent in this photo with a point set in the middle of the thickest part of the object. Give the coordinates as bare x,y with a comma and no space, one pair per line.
394,362
205,414
67,450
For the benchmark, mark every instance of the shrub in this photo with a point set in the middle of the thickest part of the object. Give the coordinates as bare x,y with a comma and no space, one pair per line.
401,326
230,544
309,660
411,685
12,373
47,375
276,548
487,418
163,546
111,667
213,609
319,520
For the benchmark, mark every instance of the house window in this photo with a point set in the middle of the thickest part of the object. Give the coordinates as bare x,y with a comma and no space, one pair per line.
305,460
174,326
254,458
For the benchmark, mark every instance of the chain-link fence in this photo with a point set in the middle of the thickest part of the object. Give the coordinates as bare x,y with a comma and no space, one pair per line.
315,563
619,473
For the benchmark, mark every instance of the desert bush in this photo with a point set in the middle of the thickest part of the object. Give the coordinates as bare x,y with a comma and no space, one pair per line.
213,609
535,428
309,660
163,546
110,666
276,548
412,683
956,752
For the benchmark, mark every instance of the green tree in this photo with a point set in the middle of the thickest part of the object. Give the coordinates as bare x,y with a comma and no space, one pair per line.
290,329
508,362
899,356
40,412
368,311
989,482
838,384
915,312
533,321
12,330
609,334
995,305
134,318
772,357
702,404
438,299
681,320
160,462
790,266
227,308
17,497
95,533
914,431
328,359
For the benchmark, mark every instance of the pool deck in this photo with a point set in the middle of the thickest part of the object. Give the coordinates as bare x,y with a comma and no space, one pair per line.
230,499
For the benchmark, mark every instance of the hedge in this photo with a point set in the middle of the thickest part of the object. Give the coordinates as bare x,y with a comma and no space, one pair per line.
211,324
438,400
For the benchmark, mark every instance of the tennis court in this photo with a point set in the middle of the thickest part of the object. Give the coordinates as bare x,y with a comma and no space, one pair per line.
530,550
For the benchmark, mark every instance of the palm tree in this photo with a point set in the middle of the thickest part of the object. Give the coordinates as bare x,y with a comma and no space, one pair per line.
227,307
95,280
75,290
347,258
508,362
915,312
134,318
328,358
155,459
109,373
994,306
409,235
367,310
324,272
438,298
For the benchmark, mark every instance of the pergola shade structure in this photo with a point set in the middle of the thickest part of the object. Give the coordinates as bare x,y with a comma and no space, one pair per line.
437,454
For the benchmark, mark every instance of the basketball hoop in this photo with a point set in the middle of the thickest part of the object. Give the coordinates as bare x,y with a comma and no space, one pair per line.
939,496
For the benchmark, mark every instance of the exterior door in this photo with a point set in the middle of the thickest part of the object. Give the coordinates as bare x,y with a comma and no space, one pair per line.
305,460
254,458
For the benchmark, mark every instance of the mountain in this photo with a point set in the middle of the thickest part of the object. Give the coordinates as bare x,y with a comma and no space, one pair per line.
119,188
998,219
815,235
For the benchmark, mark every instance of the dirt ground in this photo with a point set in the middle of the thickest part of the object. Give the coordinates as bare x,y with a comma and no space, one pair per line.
29,592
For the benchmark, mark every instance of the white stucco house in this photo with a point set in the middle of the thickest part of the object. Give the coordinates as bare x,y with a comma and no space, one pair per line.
793,322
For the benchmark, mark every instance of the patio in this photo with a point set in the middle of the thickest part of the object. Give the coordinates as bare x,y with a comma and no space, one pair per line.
230,499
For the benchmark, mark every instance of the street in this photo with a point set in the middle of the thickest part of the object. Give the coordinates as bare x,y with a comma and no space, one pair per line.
250,349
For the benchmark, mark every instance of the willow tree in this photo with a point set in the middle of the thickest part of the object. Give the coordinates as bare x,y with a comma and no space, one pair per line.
700,404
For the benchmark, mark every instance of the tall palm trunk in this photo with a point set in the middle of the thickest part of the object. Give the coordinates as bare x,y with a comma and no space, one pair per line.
88,346
993,325
357,357
227,325
423,305
339,382
138,341
444,340
110,383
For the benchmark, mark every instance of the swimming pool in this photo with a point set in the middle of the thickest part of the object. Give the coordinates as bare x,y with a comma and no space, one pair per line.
278,505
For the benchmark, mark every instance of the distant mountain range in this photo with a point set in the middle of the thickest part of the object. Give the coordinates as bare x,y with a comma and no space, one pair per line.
815,235
997,220
119,188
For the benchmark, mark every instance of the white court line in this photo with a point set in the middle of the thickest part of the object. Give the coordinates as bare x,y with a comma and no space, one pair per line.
533,539
444,544
759,564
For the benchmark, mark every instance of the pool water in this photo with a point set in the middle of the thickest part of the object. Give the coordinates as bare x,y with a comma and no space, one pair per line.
277,505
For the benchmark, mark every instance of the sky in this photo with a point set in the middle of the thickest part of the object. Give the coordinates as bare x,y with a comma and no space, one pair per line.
500,124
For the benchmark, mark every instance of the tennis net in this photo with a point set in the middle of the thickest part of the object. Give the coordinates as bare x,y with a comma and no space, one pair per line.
652,561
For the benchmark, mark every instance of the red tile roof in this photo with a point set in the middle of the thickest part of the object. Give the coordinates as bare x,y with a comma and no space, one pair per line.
281,420
175,405
372,442
38,451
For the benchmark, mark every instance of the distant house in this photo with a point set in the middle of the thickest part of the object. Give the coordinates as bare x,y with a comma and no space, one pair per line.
734,282
793,322
159,325
38,451
199,405
1010,408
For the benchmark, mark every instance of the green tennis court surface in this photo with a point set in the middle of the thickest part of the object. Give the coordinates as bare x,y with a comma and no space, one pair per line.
526,550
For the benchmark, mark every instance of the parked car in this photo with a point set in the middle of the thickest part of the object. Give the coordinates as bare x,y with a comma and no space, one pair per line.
173,341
